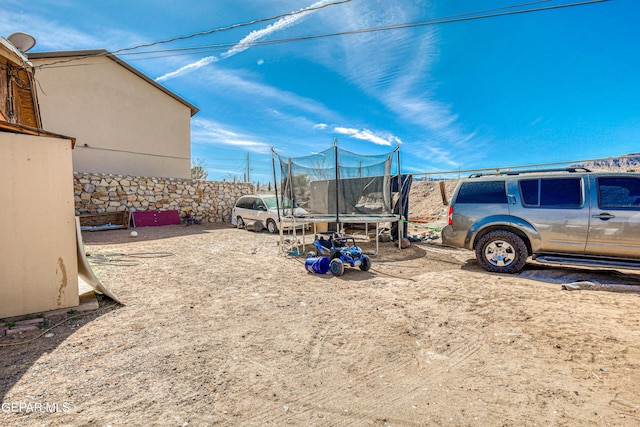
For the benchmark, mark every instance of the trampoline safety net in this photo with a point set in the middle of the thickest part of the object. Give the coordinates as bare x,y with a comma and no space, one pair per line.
337,185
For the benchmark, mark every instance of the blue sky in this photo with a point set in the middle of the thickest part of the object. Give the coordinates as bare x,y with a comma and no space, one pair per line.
550,86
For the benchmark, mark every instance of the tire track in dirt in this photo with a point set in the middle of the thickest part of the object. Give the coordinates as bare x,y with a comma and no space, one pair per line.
327,400
360,388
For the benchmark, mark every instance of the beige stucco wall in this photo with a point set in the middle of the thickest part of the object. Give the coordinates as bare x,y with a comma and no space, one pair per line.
38,257
123,124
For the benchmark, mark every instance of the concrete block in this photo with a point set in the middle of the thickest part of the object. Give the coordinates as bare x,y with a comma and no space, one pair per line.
21,329
30,322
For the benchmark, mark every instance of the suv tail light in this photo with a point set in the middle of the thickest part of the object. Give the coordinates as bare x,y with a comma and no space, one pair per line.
450,215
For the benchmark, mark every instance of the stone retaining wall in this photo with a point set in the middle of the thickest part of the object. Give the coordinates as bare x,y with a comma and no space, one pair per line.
208,201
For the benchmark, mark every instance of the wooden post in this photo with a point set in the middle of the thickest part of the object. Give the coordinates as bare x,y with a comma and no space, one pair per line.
443,192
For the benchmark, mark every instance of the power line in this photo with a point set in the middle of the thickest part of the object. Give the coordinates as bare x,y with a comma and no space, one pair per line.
203,33
86,146
468,16
437,21
225,46
531,165
230,27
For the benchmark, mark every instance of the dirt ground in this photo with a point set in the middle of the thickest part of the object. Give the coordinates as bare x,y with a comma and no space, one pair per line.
219,327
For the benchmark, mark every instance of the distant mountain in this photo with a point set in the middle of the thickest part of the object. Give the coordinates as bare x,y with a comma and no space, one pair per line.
627,163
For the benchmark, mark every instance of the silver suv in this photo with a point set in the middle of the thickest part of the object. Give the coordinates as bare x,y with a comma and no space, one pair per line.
562,216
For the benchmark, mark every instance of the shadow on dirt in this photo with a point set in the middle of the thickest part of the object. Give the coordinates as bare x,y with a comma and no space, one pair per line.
597,279
567,275
19,352
111,237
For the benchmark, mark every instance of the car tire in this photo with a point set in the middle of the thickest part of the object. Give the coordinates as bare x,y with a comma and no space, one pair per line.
271,226
501,251
240,222
337,267
365,263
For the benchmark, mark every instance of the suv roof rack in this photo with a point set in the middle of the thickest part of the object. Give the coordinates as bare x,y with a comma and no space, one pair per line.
570,170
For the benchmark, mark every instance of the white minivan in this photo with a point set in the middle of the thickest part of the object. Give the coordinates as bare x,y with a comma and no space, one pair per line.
263,208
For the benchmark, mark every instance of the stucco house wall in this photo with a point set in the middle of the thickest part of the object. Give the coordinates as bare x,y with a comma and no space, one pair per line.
38,255
124,122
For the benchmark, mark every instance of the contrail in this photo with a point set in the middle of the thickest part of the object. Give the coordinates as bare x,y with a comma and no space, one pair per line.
246,42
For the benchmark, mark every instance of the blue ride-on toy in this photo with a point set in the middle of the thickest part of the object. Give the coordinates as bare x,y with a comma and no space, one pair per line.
340,251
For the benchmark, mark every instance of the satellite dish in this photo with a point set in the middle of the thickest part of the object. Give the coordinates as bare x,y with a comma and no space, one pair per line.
22,41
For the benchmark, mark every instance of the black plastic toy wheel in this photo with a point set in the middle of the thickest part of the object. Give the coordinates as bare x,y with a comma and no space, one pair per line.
365,263
501,251
336,267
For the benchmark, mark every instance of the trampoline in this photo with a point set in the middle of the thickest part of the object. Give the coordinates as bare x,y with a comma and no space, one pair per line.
336,186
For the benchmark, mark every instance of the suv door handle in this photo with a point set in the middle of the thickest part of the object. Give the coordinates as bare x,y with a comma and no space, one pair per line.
604,216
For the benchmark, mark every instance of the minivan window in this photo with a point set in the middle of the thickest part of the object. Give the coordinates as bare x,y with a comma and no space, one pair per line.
552,192
284,203
259,205
482,192
271,202
245,203
619,192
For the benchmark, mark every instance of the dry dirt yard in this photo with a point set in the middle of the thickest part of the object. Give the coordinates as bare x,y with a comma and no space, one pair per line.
219,327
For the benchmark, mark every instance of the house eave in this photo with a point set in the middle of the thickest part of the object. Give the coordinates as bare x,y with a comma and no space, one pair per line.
61,55
28,130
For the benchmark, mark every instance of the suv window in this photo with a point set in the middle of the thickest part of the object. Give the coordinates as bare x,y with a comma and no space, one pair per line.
618,192
550,192
482,192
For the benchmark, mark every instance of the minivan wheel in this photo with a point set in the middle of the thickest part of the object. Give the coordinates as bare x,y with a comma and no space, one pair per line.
501,251
240,222
271,226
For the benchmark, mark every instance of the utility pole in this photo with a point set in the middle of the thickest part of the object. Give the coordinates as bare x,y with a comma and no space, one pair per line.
248,168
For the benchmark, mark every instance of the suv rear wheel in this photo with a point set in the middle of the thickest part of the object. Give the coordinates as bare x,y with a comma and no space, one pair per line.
501,251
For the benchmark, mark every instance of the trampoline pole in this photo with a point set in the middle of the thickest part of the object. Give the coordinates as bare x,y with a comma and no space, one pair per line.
275,187
275,182
400,232
335,155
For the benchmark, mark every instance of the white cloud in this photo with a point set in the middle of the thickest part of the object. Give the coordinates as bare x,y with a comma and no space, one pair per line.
208,132
246,42
439,156
51,35
367,135
274,100
320,126
188,68
394,68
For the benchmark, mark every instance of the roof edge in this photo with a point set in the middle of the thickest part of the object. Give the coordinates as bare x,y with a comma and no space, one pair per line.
28,130
103,52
